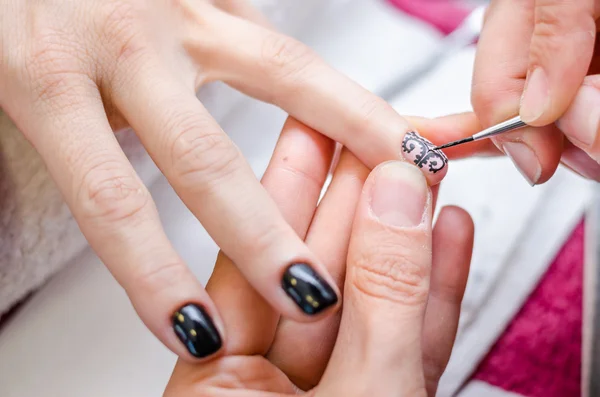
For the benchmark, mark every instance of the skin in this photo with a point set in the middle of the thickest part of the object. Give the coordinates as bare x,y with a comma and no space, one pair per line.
73,72
539,58
402,289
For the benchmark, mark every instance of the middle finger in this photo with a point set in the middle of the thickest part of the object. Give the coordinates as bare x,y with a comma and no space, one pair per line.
302,350
294,179
211,176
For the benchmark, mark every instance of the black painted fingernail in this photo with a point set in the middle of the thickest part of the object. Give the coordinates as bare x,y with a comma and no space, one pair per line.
310,292
196,330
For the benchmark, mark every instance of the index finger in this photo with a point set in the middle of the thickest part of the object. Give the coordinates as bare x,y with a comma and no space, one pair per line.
498,81
280,70
560,53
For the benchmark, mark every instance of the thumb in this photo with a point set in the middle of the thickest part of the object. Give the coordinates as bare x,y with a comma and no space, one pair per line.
561,50
378,350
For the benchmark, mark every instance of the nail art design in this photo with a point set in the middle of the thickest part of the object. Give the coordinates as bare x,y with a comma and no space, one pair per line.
310,292
196,331
422,153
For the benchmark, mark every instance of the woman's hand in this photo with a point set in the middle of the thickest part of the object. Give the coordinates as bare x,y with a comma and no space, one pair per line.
403,284
71,72
532,58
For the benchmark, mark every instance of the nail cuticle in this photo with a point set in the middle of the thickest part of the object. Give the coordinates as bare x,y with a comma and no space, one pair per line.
196,330
307,289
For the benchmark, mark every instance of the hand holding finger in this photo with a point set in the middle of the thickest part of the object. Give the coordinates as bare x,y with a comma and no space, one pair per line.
387,281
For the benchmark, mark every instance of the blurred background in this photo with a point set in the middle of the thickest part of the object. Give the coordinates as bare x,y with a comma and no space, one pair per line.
521,328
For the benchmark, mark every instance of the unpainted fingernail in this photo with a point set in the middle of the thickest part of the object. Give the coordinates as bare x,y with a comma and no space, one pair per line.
307,289
525,160
536,97
580,162
196,330
580,122
399,195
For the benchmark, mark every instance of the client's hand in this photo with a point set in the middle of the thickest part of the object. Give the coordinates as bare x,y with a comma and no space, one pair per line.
403,284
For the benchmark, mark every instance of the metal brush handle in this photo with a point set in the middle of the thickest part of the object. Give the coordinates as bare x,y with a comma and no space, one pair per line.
500,128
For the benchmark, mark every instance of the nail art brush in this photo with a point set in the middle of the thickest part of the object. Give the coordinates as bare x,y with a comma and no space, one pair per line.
500,128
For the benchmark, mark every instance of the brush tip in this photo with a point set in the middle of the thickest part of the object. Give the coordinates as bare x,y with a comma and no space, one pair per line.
454,143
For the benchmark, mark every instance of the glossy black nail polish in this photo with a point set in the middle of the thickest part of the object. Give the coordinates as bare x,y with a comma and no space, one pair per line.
310,292
196,331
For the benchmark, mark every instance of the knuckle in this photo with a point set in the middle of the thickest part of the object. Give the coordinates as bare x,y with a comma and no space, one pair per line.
119,26
392,273
553,26
549,20
110,194
55,73
149,280
369,114
200,153
285,58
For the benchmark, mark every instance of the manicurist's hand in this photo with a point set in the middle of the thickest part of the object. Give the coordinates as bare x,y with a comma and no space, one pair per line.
403,283
532,59
72,72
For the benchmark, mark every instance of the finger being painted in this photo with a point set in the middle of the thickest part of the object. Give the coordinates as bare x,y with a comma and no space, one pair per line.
280,70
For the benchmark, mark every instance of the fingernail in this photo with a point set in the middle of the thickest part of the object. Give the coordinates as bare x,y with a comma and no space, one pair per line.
580,162
536,97
311,293
580,122
420,151
525,160
399,195
196,330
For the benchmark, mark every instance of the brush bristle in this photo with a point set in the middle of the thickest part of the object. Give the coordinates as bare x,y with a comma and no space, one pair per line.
460,141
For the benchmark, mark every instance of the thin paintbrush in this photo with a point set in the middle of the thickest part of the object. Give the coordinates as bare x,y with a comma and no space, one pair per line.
508,125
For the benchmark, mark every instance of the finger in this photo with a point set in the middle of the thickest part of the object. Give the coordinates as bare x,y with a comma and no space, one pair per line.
119,219
452,249
210,175
581,122
560,53
498,82
580,162
279,70
294,179
243,9
302,351
451,128
387,282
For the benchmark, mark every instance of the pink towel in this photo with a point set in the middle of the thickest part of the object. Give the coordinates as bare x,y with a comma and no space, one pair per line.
539,354
443,14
